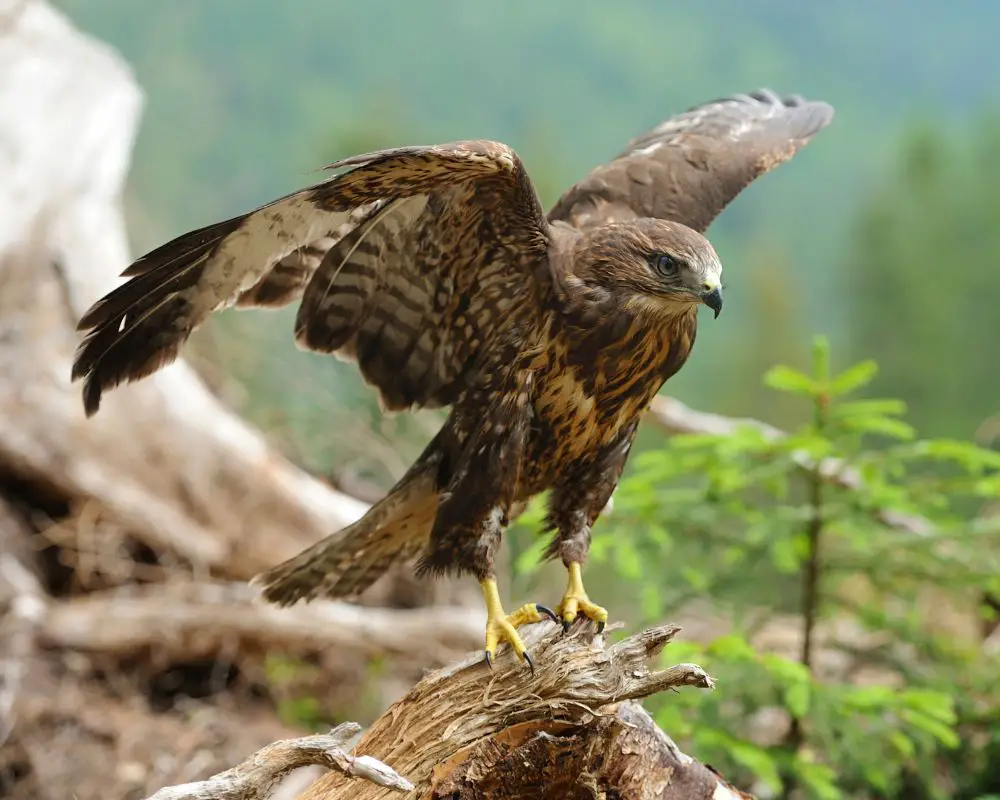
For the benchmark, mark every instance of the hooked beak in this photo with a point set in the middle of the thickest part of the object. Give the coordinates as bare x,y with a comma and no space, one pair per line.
712,297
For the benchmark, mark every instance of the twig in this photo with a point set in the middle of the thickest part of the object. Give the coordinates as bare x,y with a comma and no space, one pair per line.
256,777
674,416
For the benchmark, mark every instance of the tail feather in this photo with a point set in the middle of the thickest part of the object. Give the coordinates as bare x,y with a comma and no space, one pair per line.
348,562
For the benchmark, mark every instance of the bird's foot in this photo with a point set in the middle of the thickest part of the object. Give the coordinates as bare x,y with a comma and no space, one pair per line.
575,602
502,627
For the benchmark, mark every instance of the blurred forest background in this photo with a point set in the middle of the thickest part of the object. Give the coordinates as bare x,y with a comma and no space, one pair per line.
882,235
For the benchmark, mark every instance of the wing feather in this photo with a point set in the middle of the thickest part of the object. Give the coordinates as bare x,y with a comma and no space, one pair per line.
691,166
347,246
415,293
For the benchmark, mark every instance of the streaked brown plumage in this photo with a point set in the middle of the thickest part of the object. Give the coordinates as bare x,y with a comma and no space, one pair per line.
436,269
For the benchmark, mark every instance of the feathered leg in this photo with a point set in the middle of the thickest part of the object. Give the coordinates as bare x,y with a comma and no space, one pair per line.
574,506
571,544
488,435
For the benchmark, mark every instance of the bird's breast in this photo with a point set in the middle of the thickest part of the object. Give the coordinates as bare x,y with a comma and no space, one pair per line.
583,410
586,396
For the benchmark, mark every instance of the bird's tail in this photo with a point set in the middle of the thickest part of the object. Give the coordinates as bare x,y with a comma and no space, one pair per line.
347,562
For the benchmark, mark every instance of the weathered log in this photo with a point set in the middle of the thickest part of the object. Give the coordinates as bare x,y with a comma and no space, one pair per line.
621,754
569,728
21,609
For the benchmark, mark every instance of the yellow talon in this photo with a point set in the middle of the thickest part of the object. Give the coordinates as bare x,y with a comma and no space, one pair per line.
502,627
576,601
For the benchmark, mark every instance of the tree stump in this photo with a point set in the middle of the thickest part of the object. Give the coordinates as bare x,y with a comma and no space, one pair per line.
570,729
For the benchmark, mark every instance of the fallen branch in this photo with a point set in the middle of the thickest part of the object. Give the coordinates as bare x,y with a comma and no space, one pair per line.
256,777
674,416
187,620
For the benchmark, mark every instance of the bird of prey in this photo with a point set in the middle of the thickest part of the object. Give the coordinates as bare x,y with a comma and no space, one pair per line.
437,270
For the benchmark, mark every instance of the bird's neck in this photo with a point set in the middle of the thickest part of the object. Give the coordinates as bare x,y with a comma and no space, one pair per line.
665,335
645,342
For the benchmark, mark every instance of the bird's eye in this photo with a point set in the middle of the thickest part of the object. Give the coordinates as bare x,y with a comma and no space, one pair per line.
666,265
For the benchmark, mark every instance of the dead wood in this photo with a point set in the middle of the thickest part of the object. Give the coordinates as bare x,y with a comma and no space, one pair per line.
566,730
21,609
189,620
621,754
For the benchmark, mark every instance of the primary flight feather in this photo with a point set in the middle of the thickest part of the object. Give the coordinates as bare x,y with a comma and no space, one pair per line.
437,270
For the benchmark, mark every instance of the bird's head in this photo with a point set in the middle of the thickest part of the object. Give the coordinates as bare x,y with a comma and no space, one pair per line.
654,265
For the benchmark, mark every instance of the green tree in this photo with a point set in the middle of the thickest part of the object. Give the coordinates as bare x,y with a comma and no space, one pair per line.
921,280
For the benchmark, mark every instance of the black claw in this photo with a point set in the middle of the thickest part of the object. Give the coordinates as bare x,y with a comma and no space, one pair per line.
600,627
531,664
547,612
566,623
489,659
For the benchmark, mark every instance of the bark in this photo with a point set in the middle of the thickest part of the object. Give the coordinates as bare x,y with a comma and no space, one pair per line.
22,607
621,754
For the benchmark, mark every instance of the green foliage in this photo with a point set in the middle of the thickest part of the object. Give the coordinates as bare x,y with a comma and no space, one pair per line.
294,708
888,695
296,687
921,281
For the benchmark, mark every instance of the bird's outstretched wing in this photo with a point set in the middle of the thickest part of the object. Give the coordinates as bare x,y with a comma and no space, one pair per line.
405,261
691,166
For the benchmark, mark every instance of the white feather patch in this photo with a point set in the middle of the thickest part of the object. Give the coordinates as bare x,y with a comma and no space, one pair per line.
648,150
265,237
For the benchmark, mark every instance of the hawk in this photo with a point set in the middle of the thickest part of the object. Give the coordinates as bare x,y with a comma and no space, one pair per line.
437,270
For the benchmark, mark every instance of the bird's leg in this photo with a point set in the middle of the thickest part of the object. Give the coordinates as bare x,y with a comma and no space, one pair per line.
502,627
575,601
574,506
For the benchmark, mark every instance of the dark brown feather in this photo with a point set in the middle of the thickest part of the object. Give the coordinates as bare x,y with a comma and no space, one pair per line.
345,564
420,288
486,440
139,327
